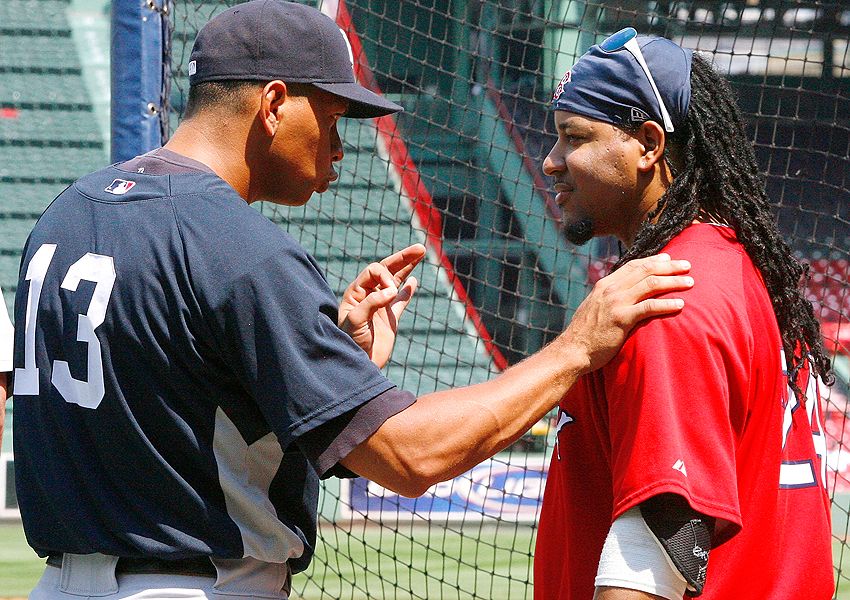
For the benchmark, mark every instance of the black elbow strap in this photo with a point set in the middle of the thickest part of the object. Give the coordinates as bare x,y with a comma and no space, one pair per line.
684,534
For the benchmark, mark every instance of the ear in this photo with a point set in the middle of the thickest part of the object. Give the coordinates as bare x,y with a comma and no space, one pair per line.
652,139
271,105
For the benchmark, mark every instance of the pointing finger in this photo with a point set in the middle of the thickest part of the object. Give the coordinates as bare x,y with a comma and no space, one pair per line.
367,308
402,263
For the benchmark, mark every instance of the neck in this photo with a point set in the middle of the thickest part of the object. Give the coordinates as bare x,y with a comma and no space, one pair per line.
218,147
649,197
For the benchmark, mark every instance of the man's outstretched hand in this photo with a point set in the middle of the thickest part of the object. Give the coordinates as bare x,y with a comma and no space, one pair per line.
372,305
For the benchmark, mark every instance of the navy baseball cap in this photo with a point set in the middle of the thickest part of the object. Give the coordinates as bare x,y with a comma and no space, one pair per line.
609,83
264,40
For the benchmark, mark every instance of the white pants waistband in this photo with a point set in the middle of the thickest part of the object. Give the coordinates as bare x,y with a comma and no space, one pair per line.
94,576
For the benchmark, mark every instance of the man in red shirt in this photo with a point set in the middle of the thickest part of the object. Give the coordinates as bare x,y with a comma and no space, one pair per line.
693,462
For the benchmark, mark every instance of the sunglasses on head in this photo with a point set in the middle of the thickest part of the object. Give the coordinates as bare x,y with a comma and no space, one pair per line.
626,39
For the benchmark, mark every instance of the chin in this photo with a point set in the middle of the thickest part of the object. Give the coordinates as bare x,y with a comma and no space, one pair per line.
288,198
579,232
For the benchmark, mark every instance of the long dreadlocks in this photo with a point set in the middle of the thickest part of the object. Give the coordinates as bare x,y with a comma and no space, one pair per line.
716,178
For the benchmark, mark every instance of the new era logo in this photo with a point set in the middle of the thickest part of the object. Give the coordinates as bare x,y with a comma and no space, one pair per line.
638,116
119,187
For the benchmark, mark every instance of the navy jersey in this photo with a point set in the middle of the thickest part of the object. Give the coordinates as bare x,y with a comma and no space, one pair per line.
179,349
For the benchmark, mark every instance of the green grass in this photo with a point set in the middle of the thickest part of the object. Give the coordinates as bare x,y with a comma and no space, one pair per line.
421,562
842,555
367,562
371,562
20,568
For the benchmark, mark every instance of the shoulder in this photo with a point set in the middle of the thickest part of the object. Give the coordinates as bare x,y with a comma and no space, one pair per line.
219,228
719,265
240,259
717,307
708,247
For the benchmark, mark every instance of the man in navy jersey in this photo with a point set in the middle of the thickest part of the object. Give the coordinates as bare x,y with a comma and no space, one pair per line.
184,374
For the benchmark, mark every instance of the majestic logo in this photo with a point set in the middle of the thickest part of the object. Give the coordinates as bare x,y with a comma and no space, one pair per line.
568,77
679,465
119,187
563,419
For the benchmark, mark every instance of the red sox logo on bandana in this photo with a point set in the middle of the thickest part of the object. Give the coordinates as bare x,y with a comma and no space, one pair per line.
560,89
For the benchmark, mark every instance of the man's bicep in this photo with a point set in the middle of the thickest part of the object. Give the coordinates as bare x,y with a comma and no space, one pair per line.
633,563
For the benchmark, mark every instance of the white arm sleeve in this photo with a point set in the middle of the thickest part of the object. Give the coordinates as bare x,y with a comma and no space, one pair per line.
7,335
633,558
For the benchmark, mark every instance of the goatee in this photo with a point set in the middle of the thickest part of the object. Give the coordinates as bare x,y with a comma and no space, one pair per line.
579,232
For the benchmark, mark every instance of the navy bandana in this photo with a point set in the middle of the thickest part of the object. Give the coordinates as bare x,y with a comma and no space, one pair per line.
613,87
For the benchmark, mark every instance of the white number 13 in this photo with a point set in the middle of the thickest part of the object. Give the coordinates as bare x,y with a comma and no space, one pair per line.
98,269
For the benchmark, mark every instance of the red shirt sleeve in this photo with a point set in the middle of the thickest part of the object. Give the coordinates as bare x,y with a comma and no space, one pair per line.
677,395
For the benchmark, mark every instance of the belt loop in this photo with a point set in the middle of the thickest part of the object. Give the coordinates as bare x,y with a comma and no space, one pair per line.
88,574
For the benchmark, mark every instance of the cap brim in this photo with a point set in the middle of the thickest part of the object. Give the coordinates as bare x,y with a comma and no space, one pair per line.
363,104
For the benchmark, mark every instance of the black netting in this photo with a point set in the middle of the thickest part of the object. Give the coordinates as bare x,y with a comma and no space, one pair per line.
460,170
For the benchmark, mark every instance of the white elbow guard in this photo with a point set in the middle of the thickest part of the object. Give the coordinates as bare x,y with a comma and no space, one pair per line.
633,558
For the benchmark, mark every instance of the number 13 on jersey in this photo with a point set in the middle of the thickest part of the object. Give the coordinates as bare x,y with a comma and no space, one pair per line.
98,269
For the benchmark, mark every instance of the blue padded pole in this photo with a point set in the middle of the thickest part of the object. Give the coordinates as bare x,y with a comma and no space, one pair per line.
138,30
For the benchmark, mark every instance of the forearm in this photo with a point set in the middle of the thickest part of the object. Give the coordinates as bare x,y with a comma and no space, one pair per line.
447,433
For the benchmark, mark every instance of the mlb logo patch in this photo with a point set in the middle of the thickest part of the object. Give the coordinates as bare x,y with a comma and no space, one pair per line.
119,187
193,67
560,89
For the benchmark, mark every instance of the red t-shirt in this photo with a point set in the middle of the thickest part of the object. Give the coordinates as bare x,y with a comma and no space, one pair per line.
696,404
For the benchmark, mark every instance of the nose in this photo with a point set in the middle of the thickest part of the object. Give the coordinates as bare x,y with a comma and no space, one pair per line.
336,146
554,162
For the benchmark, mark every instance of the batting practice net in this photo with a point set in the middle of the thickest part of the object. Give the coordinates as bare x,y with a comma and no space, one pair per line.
460,170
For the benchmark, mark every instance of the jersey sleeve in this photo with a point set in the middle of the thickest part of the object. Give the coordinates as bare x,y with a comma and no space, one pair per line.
672,419
7,335
332,441
279,333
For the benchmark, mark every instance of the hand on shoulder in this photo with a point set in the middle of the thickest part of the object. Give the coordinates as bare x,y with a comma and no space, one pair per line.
621,300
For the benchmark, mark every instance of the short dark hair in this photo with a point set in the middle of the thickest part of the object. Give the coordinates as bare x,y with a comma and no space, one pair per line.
229,94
